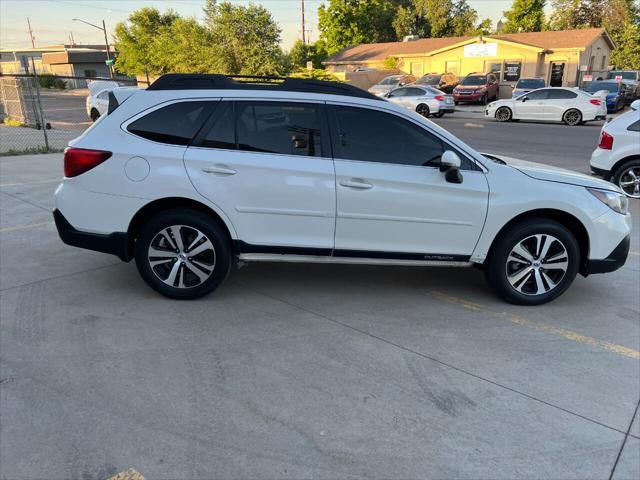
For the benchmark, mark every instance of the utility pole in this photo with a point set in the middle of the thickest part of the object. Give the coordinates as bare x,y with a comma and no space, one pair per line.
31,37
106,41
71,39
303,26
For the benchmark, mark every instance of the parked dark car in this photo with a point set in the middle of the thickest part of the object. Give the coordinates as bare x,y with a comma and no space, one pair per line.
477,87
631,78
617,93
525,85
444,82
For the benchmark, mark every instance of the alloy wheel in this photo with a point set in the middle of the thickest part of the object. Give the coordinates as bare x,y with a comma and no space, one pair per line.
537,264
423,110
503,114
572,117
181,256
630,181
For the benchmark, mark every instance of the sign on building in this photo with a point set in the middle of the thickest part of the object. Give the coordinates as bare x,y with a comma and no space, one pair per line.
481,50
587,77
512,71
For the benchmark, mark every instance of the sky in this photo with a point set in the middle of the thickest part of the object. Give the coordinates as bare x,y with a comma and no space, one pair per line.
51,20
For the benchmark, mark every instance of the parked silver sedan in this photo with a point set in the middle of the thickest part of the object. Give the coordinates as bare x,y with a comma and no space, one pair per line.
424,100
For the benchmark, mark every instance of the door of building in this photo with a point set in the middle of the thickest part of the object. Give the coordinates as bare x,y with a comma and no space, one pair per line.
557,74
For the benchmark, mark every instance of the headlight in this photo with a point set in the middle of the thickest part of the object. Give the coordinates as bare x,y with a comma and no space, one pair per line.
615,201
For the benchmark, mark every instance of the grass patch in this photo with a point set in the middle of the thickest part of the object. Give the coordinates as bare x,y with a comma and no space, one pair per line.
30,151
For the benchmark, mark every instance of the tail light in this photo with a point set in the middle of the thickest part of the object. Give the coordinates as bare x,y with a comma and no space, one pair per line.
439,98
79,160
606,141
595,101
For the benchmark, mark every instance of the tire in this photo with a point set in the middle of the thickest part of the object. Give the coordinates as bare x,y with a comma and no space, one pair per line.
516,273
438,115
572,117
503,114
627,177
95,115
178,273
423,109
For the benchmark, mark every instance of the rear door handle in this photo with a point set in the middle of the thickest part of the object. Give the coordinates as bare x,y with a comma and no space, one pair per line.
219,169
356,183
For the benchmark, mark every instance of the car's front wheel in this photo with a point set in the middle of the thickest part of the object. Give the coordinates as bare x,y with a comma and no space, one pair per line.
533,262
503,114
183,254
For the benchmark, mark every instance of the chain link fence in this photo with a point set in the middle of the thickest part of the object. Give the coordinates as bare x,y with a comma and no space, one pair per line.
35,118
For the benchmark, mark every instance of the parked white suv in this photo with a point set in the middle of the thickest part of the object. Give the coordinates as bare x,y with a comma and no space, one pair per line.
617,157
198,170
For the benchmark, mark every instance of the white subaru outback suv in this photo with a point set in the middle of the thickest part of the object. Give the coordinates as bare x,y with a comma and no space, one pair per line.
197,170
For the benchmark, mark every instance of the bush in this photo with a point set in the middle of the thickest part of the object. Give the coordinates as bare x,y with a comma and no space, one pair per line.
316,73
51,81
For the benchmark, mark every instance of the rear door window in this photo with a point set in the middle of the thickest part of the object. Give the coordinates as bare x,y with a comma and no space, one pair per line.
175,124
561,94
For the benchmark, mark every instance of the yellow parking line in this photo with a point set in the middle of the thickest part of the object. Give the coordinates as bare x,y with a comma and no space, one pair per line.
541,327
131,474
22,227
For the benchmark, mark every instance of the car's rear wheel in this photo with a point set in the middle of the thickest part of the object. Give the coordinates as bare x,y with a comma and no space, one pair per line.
95,114
183,254
423,109
533,262
503,114
627,177
572,117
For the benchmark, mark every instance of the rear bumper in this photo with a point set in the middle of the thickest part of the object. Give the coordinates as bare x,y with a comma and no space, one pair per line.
114,243
614,261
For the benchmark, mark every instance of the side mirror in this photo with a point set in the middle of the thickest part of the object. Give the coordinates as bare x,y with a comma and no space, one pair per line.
450,164
635,105
299,141
525,98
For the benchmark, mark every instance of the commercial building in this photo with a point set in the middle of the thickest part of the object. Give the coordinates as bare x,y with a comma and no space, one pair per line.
560,57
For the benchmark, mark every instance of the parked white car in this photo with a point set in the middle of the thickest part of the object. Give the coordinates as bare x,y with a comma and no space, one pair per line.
98,104
552,104
617,157
197,170
423,100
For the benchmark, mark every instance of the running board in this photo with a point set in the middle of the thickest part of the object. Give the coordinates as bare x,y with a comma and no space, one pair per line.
274,257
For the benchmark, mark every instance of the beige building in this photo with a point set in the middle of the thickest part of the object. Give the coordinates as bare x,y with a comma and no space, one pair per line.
560,57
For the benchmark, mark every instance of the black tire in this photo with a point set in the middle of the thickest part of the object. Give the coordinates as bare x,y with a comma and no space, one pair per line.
621,174
217,258
572,117
95,115
498,263
423,109
503,114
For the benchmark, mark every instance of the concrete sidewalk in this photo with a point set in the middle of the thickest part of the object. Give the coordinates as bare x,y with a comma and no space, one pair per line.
19,139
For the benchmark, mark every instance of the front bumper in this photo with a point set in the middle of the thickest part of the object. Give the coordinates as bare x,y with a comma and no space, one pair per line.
472,97
614,261
116,243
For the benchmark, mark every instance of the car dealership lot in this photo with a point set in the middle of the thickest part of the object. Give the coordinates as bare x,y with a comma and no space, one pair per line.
300,371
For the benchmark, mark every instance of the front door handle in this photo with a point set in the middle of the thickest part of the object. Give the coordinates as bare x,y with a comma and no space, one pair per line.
219,169
356,183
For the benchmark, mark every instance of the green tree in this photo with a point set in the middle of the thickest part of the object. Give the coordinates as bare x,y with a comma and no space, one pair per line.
627,53
611,14
301,53
247,39
343,23
525,16
187,47
137,42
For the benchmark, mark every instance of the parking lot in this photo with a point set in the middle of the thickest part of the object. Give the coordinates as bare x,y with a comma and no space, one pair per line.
300,371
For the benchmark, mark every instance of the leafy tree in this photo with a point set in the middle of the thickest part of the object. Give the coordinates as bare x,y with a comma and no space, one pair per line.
187,47
612,14
627,54
316,73
391,63
301,53
247,39
349,22
525,16
137,42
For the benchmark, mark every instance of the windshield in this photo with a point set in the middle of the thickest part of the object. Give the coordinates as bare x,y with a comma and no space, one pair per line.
625,75
595,86
474,80
429,80
530,83
390,80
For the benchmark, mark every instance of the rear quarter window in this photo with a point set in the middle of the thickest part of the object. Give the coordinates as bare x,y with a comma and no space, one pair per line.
175,124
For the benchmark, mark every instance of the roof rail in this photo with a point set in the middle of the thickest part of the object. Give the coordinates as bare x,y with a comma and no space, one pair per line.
190,81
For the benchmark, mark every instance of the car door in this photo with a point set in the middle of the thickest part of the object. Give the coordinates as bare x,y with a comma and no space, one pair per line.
397,96
392,199
532,106
268,166
558,102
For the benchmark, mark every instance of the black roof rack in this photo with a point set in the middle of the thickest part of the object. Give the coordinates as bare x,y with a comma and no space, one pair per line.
191,81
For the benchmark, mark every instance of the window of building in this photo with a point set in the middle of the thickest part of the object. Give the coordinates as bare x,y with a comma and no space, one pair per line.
603,63
512,71
90,73
493,67
374,136
283,128
175,124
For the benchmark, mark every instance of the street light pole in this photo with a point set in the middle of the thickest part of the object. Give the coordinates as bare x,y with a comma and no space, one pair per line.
106,40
